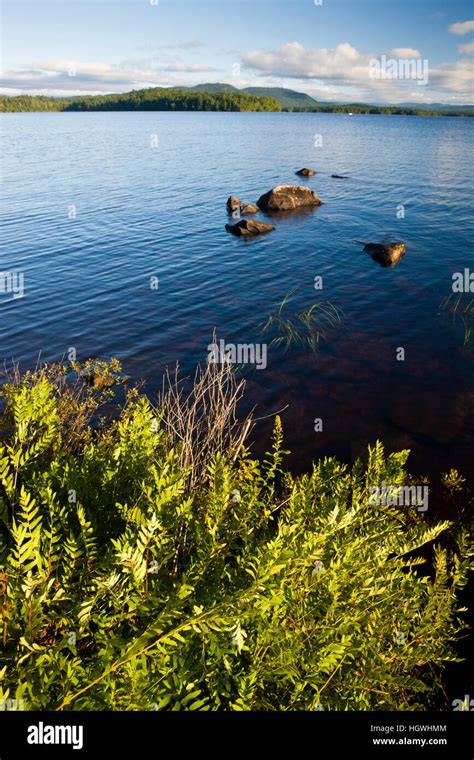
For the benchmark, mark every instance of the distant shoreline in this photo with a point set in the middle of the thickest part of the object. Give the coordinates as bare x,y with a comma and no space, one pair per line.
182,100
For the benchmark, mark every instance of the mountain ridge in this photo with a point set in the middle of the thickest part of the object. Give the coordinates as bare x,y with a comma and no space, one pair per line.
288,98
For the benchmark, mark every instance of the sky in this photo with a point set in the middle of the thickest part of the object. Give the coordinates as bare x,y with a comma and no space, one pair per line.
325,48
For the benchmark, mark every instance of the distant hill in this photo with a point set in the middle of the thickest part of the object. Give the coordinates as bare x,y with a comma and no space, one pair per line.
288,98
212,87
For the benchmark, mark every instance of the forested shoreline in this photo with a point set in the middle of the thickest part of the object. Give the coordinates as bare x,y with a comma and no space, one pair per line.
166,99
155,99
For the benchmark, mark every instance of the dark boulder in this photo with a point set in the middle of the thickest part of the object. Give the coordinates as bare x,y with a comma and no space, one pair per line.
249,228
233,203
248,208
386,254
100,381
306,172
287,198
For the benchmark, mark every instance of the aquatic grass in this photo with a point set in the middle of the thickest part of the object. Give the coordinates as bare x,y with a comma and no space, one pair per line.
306,328
459,308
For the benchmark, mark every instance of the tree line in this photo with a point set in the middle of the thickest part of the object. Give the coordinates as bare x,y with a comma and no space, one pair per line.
174,99
154,99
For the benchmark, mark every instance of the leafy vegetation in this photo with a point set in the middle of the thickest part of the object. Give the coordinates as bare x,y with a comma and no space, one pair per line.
127,585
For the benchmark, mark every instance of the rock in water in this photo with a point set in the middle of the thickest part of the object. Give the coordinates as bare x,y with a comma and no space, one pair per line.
249,228
306,172
287,198
248,208
233,203
386,254
339,176
100,381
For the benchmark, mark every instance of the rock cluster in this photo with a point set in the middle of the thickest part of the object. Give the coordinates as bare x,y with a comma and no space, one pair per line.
286,198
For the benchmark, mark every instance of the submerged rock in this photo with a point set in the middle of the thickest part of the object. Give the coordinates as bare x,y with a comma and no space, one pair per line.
306,172
100,381
386,254
233,203
249,228
287,198
235,206
248,208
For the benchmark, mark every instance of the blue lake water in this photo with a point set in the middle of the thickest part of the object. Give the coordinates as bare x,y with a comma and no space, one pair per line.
98,203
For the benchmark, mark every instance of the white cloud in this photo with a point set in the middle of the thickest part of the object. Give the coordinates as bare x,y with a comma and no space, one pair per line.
343,63
189,68
187,45
338,74
71,77
462,27
467,48
404,53
293,60
345,71
455,77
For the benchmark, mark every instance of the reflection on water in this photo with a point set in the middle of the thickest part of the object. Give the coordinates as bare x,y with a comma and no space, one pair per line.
143,213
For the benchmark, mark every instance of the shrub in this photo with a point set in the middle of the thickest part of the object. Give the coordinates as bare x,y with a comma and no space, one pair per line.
123,587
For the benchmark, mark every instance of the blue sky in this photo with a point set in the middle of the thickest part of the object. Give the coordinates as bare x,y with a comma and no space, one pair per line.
71,46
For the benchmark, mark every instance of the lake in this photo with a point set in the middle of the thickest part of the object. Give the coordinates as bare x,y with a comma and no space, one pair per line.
97,204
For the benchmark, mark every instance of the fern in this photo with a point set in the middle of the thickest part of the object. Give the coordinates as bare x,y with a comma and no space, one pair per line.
123,587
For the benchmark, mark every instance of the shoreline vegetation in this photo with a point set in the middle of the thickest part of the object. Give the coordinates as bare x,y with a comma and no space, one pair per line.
198,99
149,562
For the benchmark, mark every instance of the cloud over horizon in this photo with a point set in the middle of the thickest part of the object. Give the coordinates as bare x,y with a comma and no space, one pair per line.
345,67
339,73
71,77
